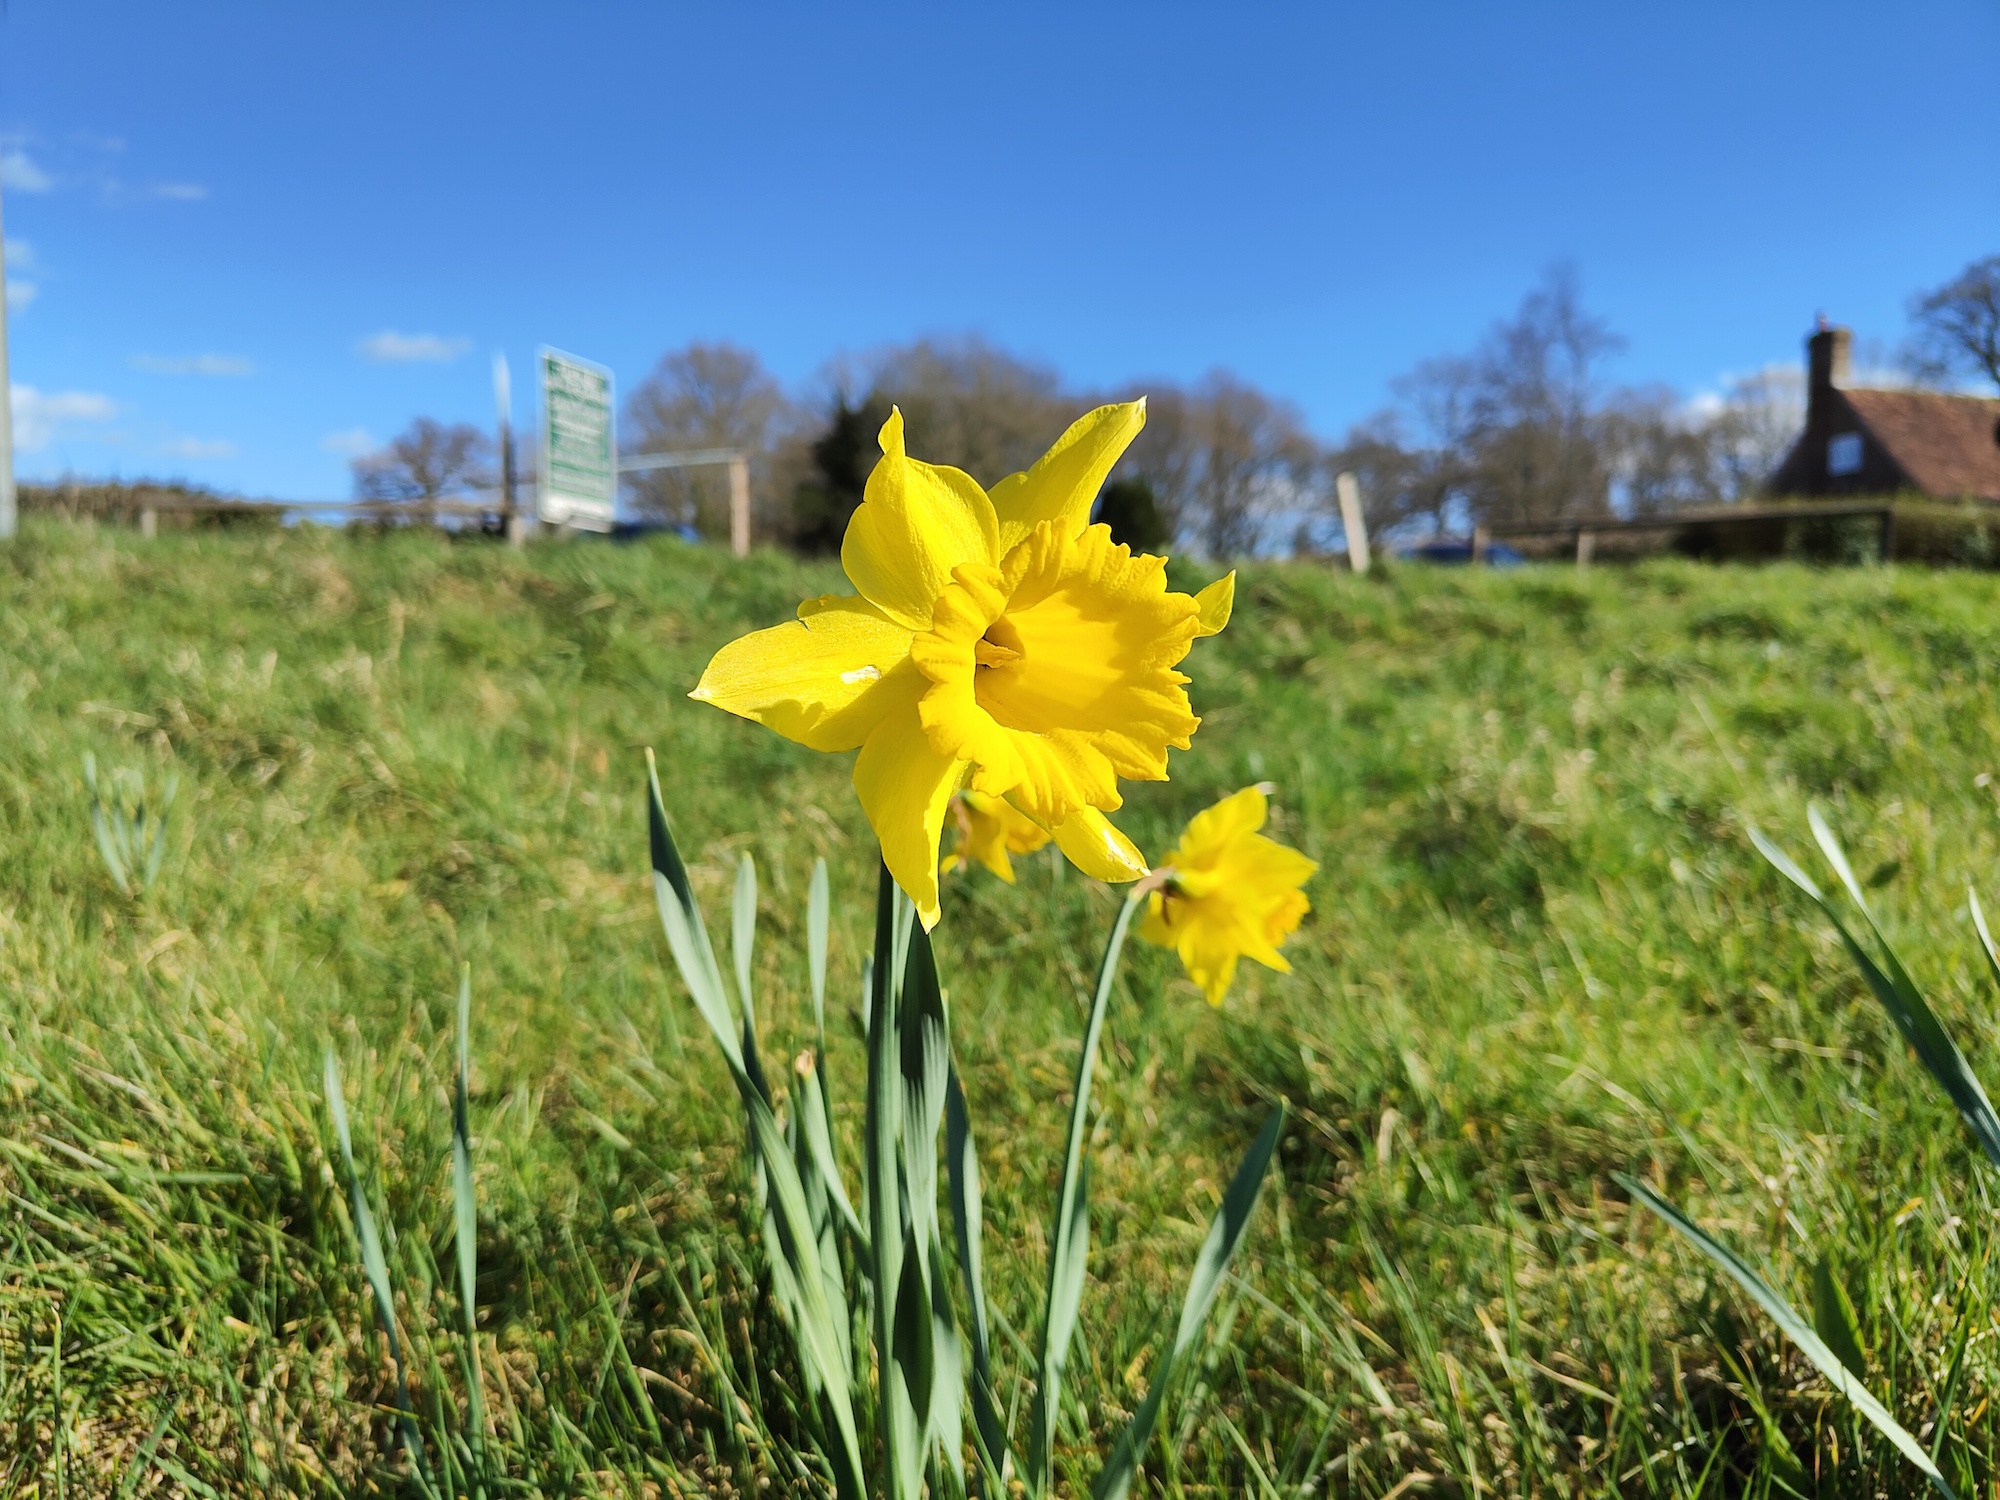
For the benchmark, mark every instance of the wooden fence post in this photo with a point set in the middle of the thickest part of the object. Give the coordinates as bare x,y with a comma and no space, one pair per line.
1586,546
739,505
1352,521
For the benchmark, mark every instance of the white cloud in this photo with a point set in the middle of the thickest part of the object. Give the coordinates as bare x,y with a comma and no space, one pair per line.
192,364
190,447
37,414
20,256
19,171
349,442
392,347
1780,381
33,164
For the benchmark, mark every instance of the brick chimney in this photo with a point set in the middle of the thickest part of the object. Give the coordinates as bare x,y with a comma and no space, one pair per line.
1827,358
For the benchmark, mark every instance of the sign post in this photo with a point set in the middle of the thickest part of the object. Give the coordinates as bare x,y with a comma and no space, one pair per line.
510,506
579,444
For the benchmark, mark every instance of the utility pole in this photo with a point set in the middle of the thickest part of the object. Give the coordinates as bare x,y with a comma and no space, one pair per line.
503,399
7,516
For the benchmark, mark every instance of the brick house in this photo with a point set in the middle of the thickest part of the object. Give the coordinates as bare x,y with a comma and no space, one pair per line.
1875,442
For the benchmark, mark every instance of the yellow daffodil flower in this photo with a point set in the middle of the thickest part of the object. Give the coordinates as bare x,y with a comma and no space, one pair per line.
1228,892
989,829
998,641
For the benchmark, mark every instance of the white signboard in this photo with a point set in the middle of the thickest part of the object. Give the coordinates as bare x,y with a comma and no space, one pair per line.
579,444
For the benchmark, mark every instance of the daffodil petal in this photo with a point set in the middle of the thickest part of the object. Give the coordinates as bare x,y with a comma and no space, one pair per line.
1262,867
904,787
984,835
1089,842
1211,828
824,679
1063,484
1024,834
994,857
1210,965
1214,604
916,522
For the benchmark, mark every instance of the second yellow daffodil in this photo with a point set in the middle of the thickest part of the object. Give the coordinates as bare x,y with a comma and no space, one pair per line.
1228,893
998,642
989,829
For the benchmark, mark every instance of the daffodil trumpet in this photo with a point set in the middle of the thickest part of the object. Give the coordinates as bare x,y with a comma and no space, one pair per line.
997,644
1226,893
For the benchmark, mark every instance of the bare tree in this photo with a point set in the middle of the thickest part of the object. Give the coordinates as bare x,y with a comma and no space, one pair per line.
1404,486
1532,404
1256,458
965,403
704,396
1753,429
1658,452
968,404
428,462
1958,325
1221,457
1521,429
1218,457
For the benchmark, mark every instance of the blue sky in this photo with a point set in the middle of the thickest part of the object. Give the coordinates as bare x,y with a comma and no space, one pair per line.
246,238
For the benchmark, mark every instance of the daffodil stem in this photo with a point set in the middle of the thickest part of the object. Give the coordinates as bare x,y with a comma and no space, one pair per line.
885,1202
1069,1234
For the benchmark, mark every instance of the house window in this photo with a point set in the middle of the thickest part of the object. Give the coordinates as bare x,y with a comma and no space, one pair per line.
1843,453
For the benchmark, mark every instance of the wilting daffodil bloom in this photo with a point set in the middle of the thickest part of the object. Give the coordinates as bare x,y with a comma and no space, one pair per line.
998,641
1227,892
989,829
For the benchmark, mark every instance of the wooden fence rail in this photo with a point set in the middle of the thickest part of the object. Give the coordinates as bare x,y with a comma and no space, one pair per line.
146,507
1587,530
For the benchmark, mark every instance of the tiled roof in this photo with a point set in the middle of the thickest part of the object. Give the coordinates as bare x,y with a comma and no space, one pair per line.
1948,445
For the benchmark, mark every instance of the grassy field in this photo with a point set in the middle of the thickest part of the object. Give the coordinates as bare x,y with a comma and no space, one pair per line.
1542,951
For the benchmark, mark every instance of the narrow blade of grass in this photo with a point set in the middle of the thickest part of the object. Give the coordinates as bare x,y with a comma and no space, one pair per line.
743,935
1069,1231
791,1237
376,1267
1795,1328
465,1211
812,1120
1896,991
1985,934
896,1415
966,1213
818,905
1833,1319
687,934
1225,1234
925,1058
